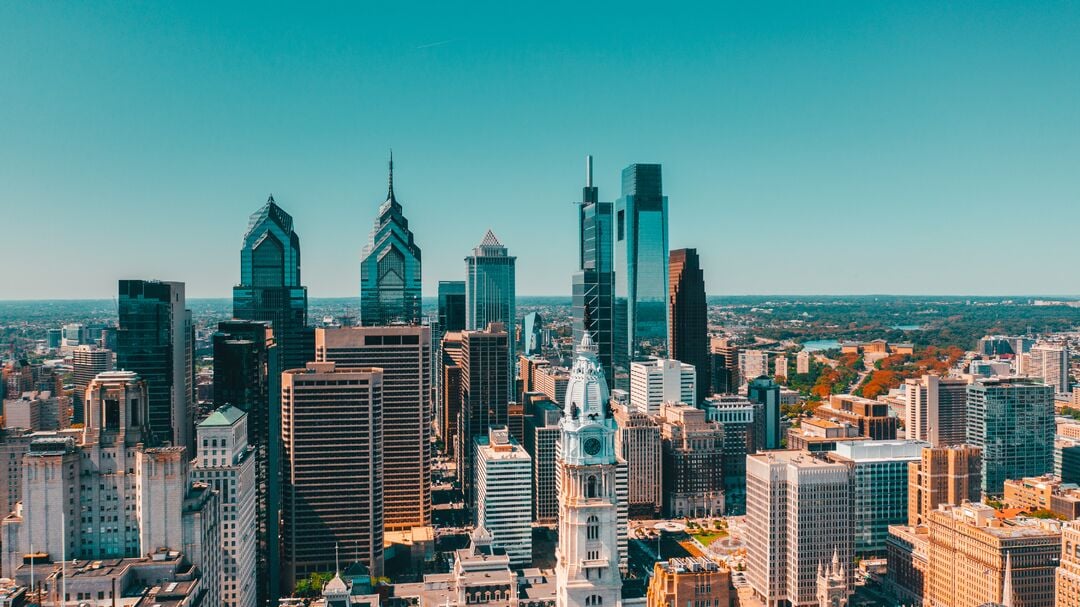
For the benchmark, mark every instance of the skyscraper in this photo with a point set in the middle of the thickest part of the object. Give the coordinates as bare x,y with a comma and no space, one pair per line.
155,339
594,283
333,470
490,293
390,269
688,332
485,395
765,393
451,305
246,376
86,363
943,475
1050,363
270,287
641,265
532,333
936,410
504,495
404,355
639,444
1012,421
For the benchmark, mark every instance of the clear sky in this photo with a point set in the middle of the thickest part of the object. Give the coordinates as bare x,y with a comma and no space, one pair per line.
808,147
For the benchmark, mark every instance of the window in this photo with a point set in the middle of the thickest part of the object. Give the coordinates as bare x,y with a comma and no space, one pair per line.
590,490
592,528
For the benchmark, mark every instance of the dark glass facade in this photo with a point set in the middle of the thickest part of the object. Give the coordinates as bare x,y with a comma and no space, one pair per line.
688,334
451,305
593,285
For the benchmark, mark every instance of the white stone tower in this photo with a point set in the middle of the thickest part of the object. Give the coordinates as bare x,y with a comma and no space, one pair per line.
587,573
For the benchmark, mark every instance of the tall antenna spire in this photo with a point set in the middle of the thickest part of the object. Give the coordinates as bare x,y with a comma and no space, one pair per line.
588,171
390,193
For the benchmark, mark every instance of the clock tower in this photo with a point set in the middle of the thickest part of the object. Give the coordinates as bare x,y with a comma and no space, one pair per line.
587,572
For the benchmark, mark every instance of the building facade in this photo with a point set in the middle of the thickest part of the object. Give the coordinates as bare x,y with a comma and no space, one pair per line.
695,581
659,380
503,498
639,444
490,294
943,475
593,287
542,432
735,414
693,462
936,410
765,392
688,327
485,395
86,362
1012,421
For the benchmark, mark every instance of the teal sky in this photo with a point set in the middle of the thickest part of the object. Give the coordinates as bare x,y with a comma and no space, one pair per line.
808,147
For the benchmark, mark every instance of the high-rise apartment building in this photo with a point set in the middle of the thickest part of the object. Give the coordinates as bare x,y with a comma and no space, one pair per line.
752,364
735,414
247,377
452,305
879,482
542,432
1012,421
795,506
977,558
659,380
404,355
503,497
593,286
639,444
156,340
802,362
86,363
693,468
270,288
490,294
332,494
641,266
765,392
943,475
227,463
390,268
688,330
1050,363
936,410
485,395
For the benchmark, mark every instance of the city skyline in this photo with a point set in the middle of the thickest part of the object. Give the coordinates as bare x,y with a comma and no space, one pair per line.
817,129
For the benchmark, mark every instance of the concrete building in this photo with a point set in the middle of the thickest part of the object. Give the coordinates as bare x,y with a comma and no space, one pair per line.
870,416
943,475
404,355
936,410
332,490
735,414
908,549
485,395
802,362
695,581
86,363
1012,421
661,380
1067,586
1050,363
226,462
1043,493
37,412
639,444
13,445
753,363
693,473
503,499
765,393
551,381
820,435
542,432
976,558
795,503
780,367
879,482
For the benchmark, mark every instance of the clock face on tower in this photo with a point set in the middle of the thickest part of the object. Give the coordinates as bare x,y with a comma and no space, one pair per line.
592,445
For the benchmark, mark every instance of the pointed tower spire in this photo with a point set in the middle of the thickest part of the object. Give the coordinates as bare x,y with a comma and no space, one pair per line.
1007,587
588,171
270,200
390,191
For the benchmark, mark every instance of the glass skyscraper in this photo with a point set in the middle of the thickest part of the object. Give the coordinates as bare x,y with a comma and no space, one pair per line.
1012,421
489,292
641,265
594,282
270,288
451,305
390,269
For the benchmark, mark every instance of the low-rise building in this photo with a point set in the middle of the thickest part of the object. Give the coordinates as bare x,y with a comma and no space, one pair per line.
818,435
1047,493
695,581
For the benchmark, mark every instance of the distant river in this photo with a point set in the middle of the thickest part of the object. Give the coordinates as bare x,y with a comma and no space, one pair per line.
818,345
907,327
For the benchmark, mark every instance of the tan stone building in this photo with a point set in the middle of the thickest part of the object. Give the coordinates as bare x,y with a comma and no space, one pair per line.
970,550
638,442
691,581
1068,572
944,475
1044,493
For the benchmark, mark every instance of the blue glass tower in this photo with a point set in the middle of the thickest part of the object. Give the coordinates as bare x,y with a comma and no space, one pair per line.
489,292
641,265
390,269
594,282
270,288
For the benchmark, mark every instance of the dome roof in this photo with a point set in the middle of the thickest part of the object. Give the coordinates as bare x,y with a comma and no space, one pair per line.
587,391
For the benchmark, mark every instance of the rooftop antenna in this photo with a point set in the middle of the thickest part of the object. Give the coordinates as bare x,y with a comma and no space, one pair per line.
588,171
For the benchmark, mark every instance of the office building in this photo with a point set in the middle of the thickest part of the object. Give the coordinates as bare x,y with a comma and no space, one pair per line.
871,417
977,558
227,463
639,444
270,288
551,381
765,393
532,334
155,339
1067,591
802,362
818,435
1042,494
86,363
735,414
449,390
795,504
404,355
593,287
490,292
485,395
688,330
936,410
591,527
943,475
660,380
693,469
247,377
692,580
390,268
753,363
503,499
1067,459
641,266
1012,421
879,483
452,305
542,432
37,411
332,494
724,357
1050,363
